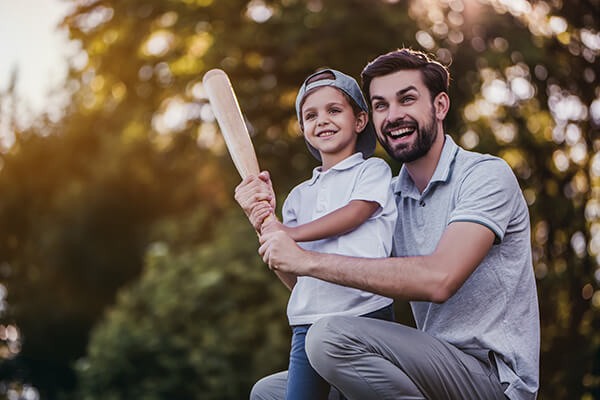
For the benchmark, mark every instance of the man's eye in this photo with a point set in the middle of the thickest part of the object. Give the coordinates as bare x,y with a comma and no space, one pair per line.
407,99
379,106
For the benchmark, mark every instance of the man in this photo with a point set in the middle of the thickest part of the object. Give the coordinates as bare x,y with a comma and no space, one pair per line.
461,255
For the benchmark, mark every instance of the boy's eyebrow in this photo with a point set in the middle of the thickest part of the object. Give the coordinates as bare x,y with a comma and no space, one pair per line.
398,93
333,103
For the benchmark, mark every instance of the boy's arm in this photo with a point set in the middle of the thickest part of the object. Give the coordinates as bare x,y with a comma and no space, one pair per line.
338,222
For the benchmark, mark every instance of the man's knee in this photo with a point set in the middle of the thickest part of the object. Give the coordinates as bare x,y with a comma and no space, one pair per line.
270,387
327,341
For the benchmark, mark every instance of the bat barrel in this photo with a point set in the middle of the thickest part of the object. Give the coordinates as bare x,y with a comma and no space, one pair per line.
229,116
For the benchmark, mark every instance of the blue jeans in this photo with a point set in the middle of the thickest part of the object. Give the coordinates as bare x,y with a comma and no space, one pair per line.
303,382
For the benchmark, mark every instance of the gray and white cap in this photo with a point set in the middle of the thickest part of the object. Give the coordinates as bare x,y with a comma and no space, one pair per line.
367,139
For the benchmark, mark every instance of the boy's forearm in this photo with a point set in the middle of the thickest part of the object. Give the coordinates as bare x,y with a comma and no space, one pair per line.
338,222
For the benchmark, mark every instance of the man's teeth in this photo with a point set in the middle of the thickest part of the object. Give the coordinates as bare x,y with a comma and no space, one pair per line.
400,132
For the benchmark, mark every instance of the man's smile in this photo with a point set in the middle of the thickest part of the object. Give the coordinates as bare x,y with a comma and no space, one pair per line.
396,131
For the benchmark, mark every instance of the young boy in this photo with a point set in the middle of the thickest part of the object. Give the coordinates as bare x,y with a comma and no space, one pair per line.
347,207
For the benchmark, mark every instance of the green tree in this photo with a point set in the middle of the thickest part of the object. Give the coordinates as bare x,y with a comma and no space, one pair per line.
204,322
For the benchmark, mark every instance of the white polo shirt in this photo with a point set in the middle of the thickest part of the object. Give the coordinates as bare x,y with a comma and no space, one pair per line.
351,179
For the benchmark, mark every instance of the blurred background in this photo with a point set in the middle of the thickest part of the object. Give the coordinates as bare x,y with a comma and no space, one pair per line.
126,269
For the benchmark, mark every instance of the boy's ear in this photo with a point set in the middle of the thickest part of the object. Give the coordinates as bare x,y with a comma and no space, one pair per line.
361,121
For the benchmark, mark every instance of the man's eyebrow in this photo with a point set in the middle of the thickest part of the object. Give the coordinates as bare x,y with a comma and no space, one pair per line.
398,93
406,89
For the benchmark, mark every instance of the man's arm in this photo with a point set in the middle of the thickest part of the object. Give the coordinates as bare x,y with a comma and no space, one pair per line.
337,222
435,277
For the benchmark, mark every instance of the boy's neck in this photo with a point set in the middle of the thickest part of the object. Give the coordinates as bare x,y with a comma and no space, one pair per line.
329,161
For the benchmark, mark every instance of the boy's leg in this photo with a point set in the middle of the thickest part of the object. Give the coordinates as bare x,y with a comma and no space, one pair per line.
303,382
373,359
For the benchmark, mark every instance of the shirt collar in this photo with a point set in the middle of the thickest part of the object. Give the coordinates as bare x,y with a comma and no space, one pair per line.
404,183
346,163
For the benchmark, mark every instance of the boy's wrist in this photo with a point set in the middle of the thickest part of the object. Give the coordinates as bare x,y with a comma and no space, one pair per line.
293,232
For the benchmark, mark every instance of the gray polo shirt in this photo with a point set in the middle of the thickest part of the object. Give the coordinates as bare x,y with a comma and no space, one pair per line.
496,309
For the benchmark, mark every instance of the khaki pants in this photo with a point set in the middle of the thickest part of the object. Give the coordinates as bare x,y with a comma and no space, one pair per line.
373,359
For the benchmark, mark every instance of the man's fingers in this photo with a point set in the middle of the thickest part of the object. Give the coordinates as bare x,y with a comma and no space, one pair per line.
264,251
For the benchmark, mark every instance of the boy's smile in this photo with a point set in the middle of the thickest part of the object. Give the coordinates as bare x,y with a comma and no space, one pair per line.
326,133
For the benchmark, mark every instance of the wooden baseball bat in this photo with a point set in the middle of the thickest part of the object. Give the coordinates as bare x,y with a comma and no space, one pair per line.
233,127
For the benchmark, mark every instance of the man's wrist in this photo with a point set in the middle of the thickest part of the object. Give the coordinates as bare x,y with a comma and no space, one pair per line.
311,261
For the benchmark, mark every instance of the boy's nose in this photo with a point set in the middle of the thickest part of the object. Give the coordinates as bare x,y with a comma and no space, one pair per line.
322,121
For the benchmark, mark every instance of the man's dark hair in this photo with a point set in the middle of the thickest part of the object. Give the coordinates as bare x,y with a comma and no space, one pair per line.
435,75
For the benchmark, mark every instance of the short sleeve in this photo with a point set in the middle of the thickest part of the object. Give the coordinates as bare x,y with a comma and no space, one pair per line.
374,182
487,195
289,209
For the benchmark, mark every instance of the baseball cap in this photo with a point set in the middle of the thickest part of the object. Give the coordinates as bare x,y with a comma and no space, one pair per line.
366,140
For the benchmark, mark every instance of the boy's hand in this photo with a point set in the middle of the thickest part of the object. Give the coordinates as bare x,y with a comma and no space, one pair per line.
251,192
273,226
259,213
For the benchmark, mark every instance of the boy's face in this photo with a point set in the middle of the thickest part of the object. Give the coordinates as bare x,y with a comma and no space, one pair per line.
403,114
330,125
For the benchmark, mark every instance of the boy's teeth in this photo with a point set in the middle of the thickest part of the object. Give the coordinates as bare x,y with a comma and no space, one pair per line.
325,134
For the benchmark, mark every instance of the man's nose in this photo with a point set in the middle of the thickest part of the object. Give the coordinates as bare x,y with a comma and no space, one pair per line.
396,113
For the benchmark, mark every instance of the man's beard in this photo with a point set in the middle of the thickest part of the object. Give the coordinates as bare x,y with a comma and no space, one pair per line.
405,153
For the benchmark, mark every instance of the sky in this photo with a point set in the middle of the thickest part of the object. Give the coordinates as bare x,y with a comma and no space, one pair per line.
31,43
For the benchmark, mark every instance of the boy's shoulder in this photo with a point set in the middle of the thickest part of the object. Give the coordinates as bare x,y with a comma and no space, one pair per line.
375,163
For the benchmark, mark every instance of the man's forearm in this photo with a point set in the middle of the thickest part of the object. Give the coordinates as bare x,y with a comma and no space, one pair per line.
288,280
408,278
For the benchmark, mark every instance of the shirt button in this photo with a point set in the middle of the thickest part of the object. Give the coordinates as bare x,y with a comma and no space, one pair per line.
422,203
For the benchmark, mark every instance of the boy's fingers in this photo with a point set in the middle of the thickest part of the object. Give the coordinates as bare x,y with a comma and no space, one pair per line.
265,176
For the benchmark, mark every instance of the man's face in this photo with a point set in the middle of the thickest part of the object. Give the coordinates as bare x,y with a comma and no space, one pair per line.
403,114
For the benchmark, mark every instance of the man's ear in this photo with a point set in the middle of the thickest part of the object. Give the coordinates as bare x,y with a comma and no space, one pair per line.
361,121
441,105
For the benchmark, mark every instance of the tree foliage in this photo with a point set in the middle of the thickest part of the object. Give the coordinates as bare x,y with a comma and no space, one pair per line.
138,160
202,323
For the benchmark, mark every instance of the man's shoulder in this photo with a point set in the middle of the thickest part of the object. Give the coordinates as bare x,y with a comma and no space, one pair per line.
471,162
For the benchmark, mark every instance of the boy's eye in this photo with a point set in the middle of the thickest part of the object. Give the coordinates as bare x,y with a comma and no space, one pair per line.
334,110
309,116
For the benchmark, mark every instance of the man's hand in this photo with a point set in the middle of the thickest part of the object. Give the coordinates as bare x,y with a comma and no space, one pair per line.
251,192
282,254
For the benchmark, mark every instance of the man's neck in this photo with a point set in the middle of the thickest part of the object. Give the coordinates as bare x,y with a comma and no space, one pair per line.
422,169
